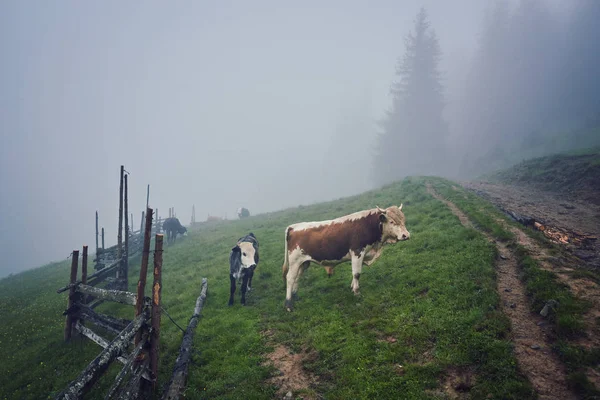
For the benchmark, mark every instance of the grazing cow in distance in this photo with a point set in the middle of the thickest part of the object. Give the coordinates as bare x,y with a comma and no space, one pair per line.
357,237
243,212
172,227
243,260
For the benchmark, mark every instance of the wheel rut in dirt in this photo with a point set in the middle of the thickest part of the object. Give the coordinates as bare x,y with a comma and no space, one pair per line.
563,268
531,344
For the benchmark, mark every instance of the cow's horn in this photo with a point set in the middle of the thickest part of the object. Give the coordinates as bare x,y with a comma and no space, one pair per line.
400,208
380,209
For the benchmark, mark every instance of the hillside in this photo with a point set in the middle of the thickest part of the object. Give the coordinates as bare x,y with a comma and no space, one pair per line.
561,192
573,175
433,319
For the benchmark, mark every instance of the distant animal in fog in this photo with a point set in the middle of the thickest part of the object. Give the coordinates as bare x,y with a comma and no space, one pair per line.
243,260
243,212
357,237
172,227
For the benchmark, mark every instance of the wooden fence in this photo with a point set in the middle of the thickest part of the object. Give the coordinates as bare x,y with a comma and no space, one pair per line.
136,342
141,362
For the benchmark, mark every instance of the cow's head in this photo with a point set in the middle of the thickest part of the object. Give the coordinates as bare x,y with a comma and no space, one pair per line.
392,221
182,230
248,255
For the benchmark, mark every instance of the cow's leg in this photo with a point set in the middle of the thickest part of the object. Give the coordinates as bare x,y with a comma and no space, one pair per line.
232,289
303,267
244,287
250,275
357,261
294,270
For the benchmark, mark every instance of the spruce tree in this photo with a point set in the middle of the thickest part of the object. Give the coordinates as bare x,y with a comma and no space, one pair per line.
413,136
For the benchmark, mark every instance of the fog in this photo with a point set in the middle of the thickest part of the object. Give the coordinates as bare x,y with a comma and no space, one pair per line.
261,104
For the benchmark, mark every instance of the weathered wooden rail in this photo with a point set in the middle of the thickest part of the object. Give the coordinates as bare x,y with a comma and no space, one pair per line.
178,380
138,376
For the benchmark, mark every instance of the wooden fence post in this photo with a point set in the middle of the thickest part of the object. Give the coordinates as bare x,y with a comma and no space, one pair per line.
148,196
70,320
143,270
155,313
96,233
84,265
120,233
84,257
126,260
142,223
157,221
102,238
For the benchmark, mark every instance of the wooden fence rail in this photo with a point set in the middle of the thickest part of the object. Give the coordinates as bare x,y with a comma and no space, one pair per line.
180,370
92,372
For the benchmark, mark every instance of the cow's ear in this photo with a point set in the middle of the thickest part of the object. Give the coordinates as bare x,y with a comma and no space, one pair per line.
236,248
382,218
400,208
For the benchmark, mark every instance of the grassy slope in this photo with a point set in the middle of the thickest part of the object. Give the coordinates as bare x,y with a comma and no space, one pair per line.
435,294
541,285
560,172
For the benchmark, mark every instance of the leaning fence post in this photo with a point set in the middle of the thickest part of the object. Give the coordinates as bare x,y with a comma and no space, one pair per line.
120,233
156,290
70,320
126,260
178,380
143,270
142,223
96,233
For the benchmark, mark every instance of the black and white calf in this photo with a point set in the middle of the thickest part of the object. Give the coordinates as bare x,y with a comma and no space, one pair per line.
243,260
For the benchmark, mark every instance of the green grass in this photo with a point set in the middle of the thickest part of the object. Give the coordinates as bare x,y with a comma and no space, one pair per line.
434,294
541,286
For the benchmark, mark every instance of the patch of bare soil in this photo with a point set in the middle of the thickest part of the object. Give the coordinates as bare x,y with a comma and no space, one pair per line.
292,375
581,287
458,382
572,221
532,345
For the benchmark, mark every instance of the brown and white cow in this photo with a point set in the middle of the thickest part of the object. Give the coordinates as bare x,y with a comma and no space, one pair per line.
357,237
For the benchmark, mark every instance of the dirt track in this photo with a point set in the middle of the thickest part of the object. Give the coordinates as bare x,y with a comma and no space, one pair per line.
532,346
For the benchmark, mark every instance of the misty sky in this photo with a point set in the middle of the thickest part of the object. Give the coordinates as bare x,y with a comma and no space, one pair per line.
219,104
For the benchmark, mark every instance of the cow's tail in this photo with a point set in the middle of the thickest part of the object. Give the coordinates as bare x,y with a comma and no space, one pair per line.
286,264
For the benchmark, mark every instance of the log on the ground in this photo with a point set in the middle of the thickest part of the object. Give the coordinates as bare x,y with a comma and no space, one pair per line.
180,370
92,372
129,366
522,219
99,340
118,296
112,324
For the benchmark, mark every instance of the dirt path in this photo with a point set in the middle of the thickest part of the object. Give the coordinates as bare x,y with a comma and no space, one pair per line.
532,346
580,286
